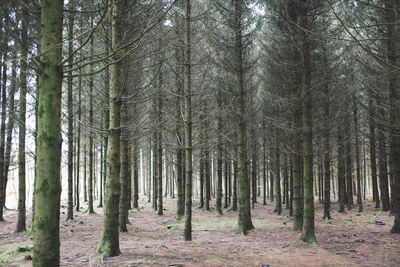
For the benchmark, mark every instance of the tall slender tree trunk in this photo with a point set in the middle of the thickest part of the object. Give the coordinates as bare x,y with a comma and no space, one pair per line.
91,145
226,204
180,210
149,174
218,206
286,181
264,167
155,156
109,245
372,152
383,172
291,187
393,39
208,177
254,178
187,233
349,168
135,173
159,148
46,244
393,27
106,104
326,144
277,176
341,171
124,150
70,207
357,144
3,77
22,120
244,220
201,177
235,182
85,199
308,232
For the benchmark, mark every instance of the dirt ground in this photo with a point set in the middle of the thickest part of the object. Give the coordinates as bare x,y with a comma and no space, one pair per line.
350,239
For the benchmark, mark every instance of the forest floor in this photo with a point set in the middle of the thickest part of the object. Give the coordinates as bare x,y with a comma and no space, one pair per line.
351,239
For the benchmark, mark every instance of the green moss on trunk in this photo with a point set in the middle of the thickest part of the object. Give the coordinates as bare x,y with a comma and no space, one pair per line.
48,188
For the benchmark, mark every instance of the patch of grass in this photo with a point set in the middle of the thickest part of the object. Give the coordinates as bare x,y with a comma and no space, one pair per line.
97,259
15,254
328,222
141,261
172,227
219,223
213,260
368,223
348,223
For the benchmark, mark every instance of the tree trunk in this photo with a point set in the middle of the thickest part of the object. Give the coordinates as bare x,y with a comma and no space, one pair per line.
46,243
341,171
277,175
124,150
187,233
286,181
383,172
326,144
264,168
308,234
90,209
349,167
244,221
207,171
394,81
85,173
235,195
135,173
372,149
78,141
201,177
22,120
357,144
254,178
109,245
160,151
70,208
226,204
3,76
218,207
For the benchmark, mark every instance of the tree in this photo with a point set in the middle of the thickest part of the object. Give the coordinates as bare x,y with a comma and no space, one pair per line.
307,234
244,220
46,243
109,245
70,209
187,233
22,120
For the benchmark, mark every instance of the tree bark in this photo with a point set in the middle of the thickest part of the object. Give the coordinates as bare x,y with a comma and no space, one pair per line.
341,171
46,243
109,245
244,220
357,144
187,233
308,234
70,206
